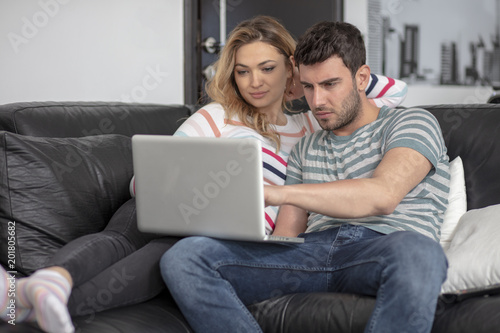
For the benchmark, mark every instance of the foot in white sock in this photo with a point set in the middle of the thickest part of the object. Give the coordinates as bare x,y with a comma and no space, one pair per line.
48,292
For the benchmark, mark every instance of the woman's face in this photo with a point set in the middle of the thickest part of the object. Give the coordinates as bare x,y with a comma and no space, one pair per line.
261,75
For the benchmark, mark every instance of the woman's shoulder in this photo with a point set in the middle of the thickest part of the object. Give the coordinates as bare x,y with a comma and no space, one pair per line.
206,121
212,108
306,119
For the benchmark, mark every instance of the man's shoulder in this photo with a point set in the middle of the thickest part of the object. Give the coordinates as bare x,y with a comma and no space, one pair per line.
400,110
409,114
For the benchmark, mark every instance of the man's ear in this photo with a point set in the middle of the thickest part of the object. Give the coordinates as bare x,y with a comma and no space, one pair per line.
363,77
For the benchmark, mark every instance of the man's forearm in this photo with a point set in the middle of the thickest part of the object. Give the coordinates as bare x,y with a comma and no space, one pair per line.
400,170
344,199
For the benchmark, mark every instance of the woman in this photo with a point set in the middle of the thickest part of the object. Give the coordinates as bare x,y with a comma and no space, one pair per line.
254,79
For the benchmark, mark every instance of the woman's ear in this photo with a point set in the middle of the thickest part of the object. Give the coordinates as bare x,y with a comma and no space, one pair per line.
291,68
295,89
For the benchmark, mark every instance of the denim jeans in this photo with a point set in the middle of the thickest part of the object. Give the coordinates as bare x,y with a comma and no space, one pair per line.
214,280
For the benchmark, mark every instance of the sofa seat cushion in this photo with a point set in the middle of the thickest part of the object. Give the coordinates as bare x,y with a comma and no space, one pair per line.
54,190
314,312
158,315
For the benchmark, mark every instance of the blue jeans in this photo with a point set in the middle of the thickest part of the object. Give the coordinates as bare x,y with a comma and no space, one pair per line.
214,280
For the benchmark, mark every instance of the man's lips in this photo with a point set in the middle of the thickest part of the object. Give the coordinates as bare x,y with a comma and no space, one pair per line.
258,94
322,114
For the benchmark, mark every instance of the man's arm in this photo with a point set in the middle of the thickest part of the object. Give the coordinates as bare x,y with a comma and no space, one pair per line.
400,170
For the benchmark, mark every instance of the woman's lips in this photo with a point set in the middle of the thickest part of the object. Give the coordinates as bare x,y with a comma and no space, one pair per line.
258,94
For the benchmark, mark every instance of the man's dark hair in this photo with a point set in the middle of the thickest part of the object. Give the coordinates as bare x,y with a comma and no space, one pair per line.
326,39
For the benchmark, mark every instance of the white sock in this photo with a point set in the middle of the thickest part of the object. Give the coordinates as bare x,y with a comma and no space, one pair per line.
48,292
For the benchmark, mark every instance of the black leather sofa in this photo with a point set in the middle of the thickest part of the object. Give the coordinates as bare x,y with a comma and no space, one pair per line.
65,169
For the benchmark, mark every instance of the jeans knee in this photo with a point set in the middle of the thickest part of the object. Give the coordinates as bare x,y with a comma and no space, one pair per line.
417,254
184,257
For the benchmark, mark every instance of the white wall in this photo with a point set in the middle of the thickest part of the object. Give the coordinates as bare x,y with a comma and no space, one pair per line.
458,21
91,50
356,12
424,94
449,17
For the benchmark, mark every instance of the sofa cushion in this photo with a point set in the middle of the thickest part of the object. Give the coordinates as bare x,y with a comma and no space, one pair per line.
54,190
474,252
457,202
77,119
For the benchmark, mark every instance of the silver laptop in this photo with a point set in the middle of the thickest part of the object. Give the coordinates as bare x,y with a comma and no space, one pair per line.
200,186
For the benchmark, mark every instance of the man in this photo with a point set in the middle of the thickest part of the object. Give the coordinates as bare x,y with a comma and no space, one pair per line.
367,193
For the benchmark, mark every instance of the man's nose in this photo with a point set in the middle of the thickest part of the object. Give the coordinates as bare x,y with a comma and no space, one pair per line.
318,99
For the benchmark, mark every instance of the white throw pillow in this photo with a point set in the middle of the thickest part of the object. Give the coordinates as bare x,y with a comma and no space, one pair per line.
457,202
474,252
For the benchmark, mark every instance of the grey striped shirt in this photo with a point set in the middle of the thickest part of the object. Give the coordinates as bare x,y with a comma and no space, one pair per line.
324,157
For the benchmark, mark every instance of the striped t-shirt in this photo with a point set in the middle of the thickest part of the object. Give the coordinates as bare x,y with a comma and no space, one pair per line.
211,121
324,157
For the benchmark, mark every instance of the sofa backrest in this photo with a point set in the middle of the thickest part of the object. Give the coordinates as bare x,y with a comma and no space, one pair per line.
470,131
77,119
473,133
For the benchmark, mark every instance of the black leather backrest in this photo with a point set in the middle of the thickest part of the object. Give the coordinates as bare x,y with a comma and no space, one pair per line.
76,119
473,133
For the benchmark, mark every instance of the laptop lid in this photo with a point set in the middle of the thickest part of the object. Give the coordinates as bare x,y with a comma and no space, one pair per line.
199,186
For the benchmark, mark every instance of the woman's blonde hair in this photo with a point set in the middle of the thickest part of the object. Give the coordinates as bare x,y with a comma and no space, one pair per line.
222,87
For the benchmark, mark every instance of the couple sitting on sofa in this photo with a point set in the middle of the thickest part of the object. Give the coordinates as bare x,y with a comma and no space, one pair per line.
390,181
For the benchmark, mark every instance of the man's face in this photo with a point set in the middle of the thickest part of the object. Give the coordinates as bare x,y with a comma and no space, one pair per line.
332,95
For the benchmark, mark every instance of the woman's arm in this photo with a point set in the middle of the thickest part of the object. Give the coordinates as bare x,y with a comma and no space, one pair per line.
291,221
383,90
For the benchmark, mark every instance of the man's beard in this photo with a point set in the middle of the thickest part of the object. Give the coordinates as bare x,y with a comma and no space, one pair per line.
351,108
